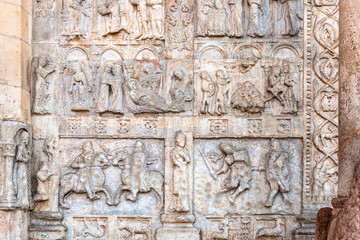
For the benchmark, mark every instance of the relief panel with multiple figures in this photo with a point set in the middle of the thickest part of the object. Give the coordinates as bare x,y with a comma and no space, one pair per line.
157,118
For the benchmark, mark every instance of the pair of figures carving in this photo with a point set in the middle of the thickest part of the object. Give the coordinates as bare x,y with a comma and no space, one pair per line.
89,176
233,9
150,18
280,85
215,94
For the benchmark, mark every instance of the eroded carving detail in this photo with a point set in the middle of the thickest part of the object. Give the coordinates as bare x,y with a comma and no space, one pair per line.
180,174
277,173
43,70
46,170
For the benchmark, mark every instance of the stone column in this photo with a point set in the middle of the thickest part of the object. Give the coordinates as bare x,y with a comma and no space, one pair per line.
349,105
15,65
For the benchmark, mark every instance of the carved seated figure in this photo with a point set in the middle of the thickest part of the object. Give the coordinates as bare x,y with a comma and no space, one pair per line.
276,87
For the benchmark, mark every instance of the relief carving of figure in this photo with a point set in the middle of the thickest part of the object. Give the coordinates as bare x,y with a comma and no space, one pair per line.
255,10
208,88
291,18
79,16
275,84
234,26
113,17
45,172
89,177
111,92
236,169
222,93
21,169
277,173
136,176
79,87
142,18
180,186
180,91
144,98
202,24
156,18
290,81
43,70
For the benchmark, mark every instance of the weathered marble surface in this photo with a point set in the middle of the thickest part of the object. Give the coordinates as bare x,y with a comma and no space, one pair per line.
180,119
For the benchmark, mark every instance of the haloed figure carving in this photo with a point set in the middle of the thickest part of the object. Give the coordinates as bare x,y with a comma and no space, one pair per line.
45,172
79,87
180,186
208,88
277,173
222,94
79,14
43,69
236,169
255,10
275,83
111,93
21,169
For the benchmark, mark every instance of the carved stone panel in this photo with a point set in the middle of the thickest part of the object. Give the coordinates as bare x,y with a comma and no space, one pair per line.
181,119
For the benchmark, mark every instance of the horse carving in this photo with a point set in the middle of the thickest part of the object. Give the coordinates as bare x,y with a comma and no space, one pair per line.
88,179
136,177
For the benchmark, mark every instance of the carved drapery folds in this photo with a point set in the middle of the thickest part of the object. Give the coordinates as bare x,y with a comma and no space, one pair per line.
175,117
16,144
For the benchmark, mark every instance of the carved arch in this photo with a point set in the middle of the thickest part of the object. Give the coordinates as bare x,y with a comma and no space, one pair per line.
218,49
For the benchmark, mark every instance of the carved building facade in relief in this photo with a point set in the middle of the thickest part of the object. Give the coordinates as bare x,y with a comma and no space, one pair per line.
177,119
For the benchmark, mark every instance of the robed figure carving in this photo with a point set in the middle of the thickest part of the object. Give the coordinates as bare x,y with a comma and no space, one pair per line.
180,159
21,177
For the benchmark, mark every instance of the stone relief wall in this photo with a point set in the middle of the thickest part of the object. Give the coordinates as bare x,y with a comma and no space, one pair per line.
177,119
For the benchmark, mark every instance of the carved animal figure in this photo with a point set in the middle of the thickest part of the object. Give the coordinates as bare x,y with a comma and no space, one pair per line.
94,228
71,183
275,232
138,229
136,177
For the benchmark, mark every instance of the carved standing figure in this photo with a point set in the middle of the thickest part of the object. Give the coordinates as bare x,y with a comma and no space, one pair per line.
142,18
222,93
255,10
43,69
208,88
111,11
180,159
111,93
156,18
79,87
291,18
236,169
202,22
21,169
277,172
180,91
45,172
234,27
290,81
79,15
